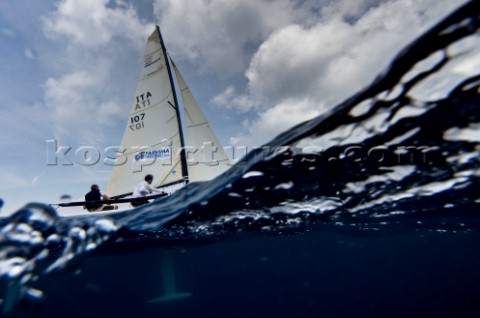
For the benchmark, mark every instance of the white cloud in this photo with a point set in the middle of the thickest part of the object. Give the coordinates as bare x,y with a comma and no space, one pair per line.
291,61
220,34
76,107
228,99
331,60
224,98
94,37
91,23
273,120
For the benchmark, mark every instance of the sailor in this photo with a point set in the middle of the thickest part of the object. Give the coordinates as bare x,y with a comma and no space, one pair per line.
96,195
143,189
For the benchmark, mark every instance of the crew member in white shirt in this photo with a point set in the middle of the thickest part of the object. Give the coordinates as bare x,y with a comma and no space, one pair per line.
143,189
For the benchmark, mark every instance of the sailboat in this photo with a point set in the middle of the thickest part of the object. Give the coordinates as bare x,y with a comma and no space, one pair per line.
155,141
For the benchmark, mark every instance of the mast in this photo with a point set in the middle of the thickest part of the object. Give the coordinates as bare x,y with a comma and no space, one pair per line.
183,158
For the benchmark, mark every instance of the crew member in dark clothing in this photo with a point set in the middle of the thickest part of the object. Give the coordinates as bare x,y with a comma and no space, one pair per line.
96,195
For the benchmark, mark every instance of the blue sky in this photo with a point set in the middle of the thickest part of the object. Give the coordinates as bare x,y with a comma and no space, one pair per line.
68,71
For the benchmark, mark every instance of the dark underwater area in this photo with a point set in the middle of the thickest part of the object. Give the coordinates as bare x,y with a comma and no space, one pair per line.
371,209
322,272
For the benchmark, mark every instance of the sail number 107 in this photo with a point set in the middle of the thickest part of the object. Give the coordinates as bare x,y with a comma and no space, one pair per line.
136,122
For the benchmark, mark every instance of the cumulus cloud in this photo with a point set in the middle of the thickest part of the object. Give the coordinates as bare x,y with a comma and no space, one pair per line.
76,107
94,37
331,60
273,120
221,33
229,99
91,23
289,63
292,52
334,57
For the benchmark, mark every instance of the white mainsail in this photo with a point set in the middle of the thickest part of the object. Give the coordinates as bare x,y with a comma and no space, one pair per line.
152,141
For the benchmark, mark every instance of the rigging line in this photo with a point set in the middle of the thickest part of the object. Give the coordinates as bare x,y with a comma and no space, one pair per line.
173,106
200,124
186,89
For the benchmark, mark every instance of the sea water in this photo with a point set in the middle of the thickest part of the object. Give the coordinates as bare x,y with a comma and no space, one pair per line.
368,210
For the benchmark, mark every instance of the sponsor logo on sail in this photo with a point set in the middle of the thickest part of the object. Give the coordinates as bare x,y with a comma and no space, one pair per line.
152,154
